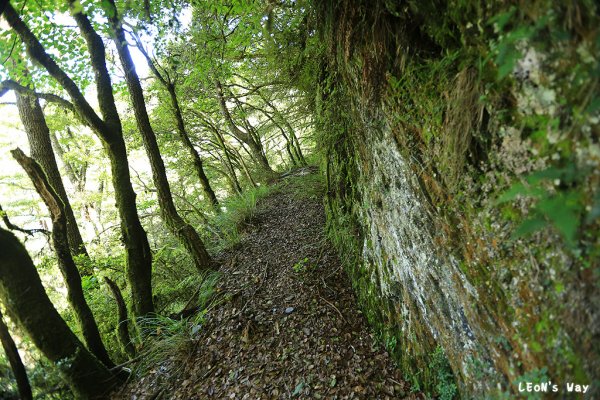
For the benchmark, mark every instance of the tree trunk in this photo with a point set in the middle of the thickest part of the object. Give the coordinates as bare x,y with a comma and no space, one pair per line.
186,234
27,304
122,327
139,256
228,163
75,296
109,130
76,176
290,154
14,359
255,147
40,144
296,145
185,138
258,154
245,169
169,84
293,138
289,146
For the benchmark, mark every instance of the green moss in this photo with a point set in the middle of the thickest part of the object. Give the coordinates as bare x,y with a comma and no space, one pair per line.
458,67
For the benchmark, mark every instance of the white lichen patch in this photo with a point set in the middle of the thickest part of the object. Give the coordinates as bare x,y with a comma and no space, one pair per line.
399,243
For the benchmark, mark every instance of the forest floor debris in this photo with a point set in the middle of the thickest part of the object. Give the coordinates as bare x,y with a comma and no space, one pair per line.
288,326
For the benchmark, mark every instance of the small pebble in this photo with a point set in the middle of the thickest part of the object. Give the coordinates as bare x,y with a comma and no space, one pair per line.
289,310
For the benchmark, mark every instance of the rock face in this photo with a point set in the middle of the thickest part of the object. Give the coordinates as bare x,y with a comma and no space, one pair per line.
424,155
431,296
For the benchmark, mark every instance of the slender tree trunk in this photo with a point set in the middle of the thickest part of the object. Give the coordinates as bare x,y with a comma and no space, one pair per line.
258,154
228,163
27,304
296,145
289,146
40,144
169,84
186,234
14,359
185,138
230,181
122,327
109,130
70,171
293,138
60,240
255,147
290,154
77,177
246,170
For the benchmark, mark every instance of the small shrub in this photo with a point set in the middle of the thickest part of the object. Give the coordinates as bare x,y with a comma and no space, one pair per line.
445,386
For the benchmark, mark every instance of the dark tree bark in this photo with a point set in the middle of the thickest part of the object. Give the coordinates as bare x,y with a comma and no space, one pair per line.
27,304
38,135
109,130
186,234
169,84
254,145
14,359
60,240
122,327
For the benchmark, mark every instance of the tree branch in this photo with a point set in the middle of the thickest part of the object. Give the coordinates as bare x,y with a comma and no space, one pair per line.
9,84
37,52
14,227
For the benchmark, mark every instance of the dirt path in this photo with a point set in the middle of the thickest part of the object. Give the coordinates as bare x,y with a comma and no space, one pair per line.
291,327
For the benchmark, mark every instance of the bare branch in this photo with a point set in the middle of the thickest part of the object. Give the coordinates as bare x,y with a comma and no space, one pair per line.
14,227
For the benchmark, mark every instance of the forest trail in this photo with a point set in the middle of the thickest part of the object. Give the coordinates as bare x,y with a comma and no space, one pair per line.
290,327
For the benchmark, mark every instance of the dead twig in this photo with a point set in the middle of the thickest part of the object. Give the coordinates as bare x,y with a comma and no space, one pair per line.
334,307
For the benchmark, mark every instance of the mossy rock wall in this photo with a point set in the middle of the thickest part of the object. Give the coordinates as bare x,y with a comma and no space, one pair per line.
430,116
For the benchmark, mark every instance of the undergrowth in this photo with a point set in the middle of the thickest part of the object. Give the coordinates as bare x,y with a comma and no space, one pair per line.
308,186
225,229
170,342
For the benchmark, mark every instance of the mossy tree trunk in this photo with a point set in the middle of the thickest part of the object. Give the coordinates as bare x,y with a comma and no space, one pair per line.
122,327
27,304
14,359
38,135
186,234
60,241
109,130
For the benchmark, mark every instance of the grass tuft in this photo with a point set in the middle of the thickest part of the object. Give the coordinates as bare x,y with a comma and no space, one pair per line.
226,227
